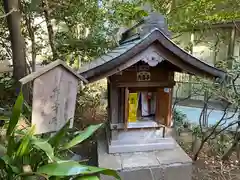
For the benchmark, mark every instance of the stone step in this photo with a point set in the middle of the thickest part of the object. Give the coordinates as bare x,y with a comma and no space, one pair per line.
142,141
131,146
140,134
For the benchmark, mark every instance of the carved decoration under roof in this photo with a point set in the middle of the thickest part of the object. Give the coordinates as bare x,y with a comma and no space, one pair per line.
152,58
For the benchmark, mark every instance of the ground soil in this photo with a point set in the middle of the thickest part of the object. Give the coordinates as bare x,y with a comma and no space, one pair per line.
209,165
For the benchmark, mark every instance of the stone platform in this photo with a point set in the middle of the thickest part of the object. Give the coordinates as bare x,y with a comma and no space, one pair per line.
169,164
141,140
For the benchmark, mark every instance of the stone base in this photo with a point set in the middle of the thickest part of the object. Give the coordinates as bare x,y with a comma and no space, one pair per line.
127,146
169,164
140,141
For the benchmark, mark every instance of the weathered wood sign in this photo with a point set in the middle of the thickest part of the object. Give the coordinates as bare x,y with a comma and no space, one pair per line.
54,96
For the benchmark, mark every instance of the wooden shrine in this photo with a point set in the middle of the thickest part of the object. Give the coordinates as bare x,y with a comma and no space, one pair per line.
140,74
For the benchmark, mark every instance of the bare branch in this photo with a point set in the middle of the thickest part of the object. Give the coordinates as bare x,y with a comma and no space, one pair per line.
235,24
225,119
7,14
234,85
225,128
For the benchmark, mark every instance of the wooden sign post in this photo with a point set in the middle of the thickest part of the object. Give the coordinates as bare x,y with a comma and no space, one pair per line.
54,96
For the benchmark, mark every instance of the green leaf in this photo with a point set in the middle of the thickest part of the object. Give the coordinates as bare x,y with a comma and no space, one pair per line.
108,172
27,108
7,161
15,169
26,111
82,136
3,150
24,145
54,140
17,108
4,118
11,146
87,178
2,164
45,146
31,176
35,5
62,168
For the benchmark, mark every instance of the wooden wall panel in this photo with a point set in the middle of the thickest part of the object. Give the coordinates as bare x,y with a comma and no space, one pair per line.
159,74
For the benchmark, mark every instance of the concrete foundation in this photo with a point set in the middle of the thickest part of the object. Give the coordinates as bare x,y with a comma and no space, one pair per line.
169,164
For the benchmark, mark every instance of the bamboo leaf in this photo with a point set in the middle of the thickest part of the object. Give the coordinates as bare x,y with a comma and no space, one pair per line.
62,168
7,161
11,146
24,145
16,112
4,118
87,178
82,136
31,176
45,146
3,150
27,109
54,140
108,172
2,164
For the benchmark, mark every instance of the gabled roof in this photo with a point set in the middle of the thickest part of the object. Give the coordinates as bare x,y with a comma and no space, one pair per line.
47,68
112,62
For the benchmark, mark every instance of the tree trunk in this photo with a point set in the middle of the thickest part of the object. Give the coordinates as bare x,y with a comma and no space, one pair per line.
230,151
33,42
17,41
197,152
233,147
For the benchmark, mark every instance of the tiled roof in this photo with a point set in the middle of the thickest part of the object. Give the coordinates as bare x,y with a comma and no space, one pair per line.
116,52
134,45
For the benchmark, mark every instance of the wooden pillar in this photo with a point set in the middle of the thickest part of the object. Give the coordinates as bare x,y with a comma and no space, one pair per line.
163,106
126,110
114,105
113,108
121,105
170,106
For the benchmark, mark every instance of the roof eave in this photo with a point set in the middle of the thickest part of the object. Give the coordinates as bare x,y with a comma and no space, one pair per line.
155,35
49,67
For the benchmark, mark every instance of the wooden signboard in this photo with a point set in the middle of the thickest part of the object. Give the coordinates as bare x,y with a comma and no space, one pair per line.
54,97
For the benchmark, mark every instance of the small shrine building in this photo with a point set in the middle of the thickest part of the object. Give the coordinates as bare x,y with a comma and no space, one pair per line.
140,75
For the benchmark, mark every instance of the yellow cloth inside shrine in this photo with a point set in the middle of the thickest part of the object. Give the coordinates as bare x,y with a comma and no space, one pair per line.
133,106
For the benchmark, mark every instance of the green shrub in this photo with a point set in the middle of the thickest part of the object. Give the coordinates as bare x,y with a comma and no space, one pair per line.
7,90
179,118
91,105
28,156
